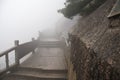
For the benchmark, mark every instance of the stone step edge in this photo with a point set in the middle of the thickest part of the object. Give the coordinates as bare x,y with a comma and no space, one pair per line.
40,69
34,76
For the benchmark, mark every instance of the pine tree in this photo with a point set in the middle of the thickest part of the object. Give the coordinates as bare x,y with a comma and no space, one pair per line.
83,7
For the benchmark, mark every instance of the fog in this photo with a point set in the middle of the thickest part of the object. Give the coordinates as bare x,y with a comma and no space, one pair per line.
22,19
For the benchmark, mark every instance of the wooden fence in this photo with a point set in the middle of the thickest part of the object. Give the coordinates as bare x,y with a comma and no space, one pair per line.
20,51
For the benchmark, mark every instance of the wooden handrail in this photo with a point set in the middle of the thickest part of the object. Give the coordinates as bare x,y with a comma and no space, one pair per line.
26,48
7,51
66,41
20,51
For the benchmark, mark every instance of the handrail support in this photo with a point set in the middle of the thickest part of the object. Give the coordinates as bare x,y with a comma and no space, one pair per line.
7,61
16,53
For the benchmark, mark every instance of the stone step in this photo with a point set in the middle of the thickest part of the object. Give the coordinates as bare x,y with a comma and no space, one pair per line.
60,71
42,73
51,44
22,77
36,74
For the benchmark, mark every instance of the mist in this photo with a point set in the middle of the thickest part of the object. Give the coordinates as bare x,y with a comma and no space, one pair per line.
22,19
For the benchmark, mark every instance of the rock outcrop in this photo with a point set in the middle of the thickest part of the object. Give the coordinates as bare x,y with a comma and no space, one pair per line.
95,46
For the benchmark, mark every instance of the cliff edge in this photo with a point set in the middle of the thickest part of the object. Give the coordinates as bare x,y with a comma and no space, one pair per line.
95,46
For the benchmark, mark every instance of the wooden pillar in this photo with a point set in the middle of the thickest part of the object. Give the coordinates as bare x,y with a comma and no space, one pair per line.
16,52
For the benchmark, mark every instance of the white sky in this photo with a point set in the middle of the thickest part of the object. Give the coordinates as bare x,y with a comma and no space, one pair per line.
22,19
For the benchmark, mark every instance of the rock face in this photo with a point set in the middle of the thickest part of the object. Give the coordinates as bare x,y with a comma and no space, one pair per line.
95,46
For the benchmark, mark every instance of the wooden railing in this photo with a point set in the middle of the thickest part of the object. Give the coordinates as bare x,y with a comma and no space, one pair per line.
67,40
20,51
67,47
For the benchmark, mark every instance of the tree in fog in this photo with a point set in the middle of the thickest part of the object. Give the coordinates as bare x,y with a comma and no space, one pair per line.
82,7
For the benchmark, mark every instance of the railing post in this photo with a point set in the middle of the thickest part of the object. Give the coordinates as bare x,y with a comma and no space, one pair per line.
33,39
16,52
7,61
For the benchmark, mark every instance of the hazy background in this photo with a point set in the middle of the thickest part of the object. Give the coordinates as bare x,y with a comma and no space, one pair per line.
22,19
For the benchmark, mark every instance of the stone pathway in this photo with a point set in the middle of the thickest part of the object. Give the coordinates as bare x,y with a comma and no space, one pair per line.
47,63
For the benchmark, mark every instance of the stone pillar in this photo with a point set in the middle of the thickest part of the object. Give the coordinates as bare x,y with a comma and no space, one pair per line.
33,39
16,52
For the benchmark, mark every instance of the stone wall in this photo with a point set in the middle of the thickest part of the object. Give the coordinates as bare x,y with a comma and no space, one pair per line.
95,46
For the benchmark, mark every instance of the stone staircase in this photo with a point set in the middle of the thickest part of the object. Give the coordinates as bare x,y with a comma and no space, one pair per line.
22,73
47,63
